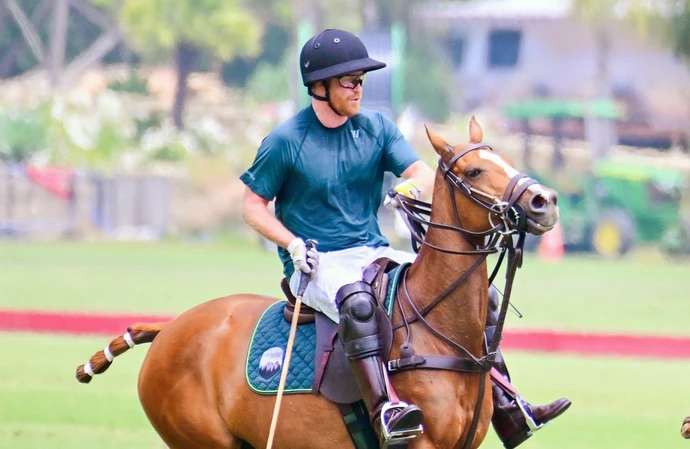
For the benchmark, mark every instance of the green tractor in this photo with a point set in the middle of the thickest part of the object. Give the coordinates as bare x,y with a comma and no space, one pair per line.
612,205
620,205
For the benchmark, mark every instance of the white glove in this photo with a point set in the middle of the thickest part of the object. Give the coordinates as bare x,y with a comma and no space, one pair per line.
409,188
304,260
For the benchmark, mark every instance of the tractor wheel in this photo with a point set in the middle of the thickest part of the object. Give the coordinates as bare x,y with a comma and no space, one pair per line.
676,240
613,234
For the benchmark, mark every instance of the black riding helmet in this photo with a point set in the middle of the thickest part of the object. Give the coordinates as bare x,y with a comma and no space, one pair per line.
333,53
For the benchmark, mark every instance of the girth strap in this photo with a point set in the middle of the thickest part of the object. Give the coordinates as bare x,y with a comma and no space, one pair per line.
441,362
356,418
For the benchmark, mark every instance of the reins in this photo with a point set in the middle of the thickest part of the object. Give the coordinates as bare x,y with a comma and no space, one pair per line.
499,238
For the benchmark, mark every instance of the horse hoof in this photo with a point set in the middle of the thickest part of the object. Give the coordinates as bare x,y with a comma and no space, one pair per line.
685,430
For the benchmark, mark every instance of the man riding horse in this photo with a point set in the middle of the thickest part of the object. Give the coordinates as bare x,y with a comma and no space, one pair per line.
326,176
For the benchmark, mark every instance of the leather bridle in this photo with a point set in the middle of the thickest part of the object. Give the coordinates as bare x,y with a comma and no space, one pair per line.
510,219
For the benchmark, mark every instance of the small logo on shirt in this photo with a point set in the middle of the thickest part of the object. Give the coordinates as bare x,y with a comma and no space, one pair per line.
355,133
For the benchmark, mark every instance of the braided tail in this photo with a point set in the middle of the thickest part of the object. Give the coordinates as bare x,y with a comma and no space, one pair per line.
101,361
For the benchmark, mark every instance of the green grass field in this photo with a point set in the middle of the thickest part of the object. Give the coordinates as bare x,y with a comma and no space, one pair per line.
618,402
643,294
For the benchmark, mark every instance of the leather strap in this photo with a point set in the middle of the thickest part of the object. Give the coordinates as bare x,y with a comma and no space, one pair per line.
441,362
502,382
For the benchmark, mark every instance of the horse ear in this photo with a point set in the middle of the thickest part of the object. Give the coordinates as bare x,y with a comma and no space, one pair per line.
440,145
476,133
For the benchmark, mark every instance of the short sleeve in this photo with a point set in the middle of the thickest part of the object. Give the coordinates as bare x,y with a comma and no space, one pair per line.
271,166
398,154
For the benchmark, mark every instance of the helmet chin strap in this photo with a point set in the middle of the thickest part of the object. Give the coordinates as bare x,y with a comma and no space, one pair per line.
327,98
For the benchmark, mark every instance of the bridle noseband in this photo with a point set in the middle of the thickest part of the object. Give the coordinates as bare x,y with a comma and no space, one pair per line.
503,207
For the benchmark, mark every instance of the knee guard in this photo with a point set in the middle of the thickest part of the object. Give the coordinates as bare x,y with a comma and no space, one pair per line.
359,325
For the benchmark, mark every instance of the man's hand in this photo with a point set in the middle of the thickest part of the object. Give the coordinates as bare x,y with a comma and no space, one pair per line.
305,260
409,188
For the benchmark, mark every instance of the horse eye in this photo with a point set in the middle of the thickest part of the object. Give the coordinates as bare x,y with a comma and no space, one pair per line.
472,172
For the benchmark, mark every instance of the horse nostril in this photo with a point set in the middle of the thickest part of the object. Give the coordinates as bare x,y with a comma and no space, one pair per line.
538,203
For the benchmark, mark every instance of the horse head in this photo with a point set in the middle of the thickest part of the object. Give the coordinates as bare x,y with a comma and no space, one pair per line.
493,194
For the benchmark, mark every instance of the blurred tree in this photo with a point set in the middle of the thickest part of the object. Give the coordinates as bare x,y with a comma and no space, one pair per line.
23,134
426,80
680,28
82,29
275,42
185,28
665,20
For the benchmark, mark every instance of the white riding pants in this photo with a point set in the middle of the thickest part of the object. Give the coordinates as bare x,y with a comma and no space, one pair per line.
337,268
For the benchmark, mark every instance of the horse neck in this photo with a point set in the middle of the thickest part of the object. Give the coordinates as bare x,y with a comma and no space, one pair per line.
462,314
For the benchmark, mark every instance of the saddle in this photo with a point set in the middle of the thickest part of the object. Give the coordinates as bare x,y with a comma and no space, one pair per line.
319,364
376,275
306,313
333,377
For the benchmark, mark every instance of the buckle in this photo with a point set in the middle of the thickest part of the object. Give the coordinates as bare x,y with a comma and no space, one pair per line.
396,364
487,362
391,438
393,365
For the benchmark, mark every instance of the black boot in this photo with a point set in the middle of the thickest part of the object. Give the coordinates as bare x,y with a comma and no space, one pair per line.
394,421
514,419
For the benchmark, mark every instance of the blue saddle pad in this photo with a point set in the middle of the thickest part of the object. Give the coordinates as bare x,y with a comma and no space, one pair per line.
269,343
267,353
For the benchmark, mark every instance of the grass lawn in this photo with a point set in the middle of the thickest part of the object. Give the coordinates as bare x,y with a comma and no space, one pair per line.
641,294
617,403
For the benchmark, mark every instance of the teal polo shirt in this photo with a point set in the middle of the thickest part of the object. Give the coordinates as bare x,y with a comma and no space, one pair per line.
327,182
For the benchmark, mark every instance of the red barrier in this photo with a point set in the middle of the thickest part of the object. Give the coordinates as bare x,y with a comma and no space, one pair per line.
525,340
598,344
71,323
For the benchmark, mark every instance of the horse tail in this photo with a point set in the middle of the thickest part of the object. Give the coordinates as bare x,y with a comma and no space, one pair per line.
101,361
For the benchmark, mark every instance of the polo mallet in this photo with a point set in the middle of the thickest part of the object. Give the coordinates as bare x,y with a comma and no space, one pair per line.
303,282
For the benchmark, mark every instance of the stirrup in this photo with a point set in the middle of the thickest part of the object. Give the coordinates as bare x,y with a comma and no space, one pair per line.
529,419
397,438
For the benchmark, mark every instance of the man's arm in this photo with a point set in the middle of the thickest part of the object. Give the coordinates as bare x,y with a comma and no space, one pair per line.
423,175
256,214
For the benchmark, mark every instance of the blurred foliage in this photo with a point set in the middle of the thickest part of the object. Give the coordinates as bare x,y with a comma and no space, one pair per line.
223,28
23,133
170,152
275,43
680,29
269,82
183,29
667,21
426,81
15,56
133,84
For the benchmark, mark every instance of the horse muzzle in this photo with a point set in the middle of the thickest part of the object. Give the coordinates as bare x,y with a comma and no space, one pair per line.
541,207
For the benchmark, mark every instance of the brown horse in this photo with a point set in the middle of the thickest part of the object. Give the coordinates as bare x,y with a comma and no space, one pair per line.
685,428
192,383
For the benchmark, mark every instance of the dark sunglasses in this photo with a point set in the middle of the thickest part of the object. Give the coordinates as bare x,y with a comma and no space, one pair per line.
351,81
